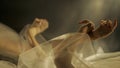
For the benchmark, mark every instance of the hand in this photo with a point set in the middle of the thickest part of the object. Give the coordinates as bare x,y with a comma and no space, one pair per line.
39,25
87,26
105,29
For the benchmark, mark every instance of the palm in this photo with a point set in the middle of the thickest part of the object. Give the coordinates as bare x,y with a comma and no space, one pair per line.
106,28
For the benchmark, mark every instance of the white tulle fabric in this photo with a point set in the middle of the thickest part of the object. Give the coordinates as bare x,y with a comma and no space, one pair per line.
84,56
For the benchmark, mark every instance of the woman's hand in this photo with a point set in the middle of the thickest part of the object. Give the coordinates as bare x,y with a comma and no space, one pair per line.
105,29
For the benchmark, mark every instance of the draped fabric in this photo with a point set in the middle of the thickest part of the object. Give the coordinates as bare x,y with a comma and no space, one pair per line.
79,45
83,57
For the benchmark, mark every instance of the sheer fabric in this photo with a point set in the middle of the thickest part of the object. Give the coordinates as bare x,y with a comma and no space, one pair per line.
6,64
79,45
84,56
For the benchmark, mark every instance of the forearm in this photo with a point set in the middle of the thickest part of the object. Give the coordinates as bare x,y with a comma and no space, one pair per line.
32,38
99,34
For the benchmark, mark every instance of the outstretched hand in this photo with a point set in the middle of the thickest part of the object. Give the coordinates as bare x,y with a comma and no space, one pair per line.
106,28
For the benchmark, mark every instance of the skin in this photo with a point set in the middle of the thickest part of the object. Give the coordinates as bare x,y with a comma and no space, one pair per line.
105,29
62,56
10,51
38,26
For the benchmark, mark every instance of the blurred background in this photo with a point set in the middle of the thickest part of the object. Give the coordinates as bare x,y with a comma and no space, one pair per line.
63,15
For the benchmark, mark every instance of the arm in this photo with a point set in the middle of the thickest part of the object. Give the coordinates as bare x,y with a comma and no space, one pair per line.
38,26
105,29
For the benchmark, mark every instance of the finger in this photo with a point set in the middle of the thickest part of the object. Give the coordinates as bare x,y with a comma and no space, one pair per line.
109,24
34,22
39,23
114,24
84,22
37,20
102,23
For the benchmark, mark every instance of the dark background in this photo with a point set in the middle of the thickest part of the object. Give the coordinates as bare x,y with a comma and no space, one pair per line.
63,15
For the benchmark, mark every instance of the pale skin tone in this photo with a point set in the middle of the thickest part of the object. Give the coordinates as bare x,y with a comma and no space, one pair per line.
10,51
38,26
64,60
63,57
105,29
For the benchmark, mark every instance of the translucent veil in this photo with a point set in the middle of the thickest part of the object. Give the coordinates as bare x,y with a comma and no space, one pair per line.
89,56
83,48
13,45
86,53
37,57
79,45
